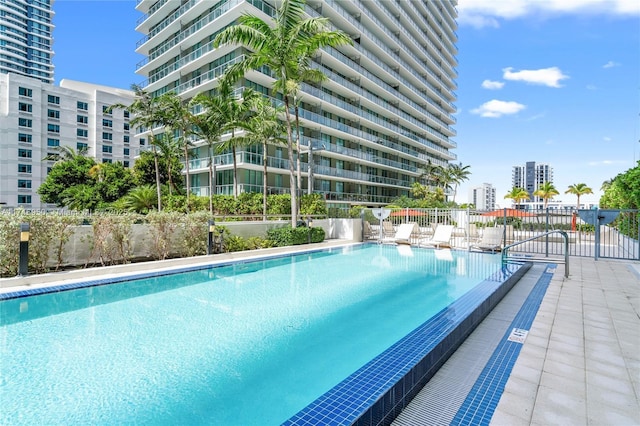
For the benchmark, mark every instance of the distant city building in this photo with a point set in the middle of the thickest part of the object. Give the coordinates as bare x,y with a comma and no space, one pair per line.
530,177
384,113
25,38
483,197
36,117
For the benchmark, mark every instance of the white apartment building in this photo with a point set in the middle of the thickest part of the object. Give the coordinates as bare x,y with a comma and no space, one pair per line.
385,111
530,177
483,197
36,117
25,38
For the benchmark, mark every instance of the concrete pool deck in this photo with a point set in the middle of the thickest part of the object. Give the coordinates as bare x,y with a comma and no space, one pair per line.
580,362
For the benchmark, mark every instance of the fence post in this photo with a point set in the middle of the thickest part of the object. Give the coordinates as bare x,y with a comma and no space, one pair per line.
23,265
546,229
596,234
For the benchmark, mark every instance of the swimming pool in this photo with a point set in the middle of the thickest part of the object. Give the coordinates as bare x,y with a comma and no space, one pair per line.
245,343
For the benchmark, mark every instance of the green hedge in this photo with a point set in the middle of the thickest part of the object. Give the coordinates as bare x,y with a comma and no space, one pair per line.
288,236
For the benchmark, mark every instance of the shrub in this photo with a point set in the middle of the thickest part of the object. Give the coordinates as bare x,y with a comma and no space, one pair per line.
288,236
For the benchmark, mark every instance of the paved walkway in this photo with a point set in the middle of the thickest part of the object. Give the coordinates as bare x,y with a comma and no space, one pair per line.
580,364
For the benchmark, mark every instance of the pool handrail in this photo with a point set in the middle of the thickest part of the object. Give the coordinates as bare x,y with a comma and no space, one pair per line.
565,236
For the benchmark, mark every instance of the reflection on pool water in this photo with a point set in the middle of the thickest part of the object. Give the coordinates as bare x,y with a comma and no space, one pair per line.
246,343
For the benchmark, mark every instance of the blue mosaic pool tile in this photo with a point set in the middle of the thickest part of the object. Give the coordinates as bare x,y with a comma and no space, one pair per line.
482,400
396,375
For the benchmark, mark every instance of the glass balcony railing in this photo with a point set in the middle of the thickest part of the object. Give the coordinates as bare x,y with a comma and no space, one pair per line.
390,52
152,10
167,21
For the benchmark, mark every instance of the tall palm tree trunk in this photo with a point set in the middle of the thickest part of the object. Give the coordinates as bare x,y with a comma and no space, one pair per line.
235,167
186,163
264,181
211,186
155,160
298,168
293,187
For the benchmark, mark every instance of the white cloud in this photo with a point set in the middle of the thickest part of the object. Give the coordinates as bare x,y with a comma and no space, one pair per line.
592,87
492,85
605,162
606,139
486,13
611,64
546,76
495,108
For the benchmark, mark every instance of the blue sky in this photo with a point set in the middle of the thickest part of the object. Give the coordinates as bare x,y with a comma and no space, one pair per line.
550,81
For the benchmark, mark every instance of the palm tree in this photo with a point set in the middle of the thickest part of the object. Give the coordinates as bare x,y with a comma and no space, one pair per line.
546,191
140,199
235,115
65,153
177,117
169,148
458,174
265,128
517,195
286,48
209,126
146,113
578,189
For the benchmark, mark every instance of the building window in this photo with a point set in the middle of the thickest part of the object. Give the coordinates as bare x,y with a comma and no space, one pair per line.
25,107
107,148
142,141
126,151
53,113
24,199
126,114
107,123
83,106
82,119
24,183
53,142
105,109
23,137
125,163
53,99
106,136
24,153
25,122
83,133
53,128
81,146
126,126
126,139
23,91
107,160
24,168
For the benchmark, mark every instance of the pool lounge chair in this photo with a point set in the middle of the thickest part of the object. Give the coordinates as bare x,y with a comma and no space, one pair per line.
367,231
441,237
387,229
403,234
491,240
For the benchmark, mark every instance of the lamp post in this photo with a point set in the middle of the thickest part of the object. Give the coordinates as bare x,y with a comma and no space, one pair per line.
23,265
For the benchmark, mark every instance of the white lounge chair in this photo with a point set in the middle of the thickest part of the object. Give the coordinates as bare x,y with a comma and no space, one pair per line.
491,240
403,234
441,237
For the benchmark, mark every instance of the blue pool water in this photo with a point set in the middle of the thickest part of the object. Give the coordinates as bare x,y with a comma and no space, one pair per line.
248,343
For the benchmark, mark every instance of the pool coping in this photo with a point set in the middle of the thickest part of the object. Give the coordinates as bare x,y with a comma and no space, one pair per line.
381,389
